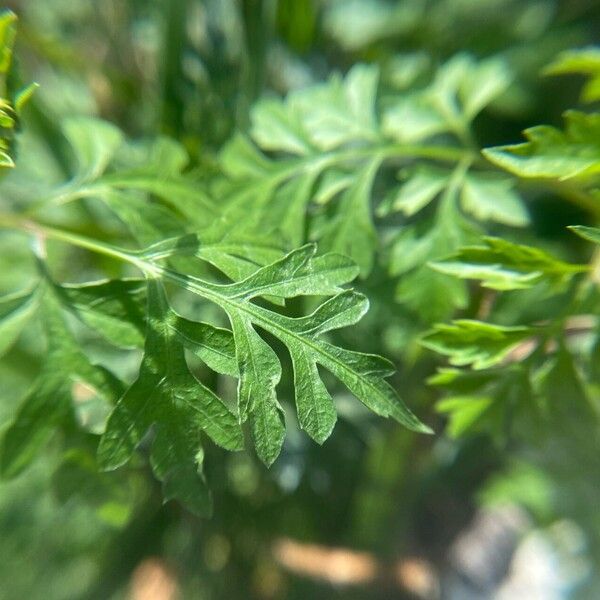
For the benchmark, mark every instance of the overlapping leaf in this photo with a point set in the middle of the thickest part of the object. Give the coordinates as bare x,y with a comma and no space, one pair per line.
50,404
324,145
167,395
258,368
142,183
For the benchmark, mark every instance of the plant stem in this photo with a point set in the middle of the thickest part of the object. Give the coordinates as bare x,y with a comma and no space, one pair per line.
9,221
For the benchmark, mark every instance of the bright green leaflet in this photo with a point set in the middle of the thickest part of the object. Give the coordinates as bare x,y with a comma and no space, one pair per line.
503,265
469,342
551,153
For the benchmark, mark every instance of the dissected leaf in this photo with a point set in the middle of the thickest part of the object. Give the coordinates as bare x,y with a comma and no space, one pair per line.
552,153
475,343
298,273
503,265
330,140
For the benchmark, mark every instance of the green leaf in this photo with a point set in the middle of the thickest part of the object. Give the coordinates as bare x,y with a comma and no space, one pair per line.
341,110
114,308
485,195
235,255
264,199
147,220
475,343
260,372
324,145
489,197
298,273
592,234
461,89
167,395
213,345
94,142
422,185
552,153
50,403
352,231
503,265
15,312
413,119
332,183
482,83
584,61
430,294
463,412
142,184
278,127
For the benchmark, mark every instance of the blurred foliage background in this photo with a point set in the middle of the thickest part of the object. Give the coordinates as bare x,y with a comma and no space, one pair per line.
377,512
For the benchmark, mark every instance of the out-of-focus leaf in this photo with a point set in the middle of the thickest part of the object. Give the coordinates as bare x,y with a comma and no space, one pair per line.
50,403
352,232
503,265
15,311
463,412
493,198
554,154
585,61
475,343
166,394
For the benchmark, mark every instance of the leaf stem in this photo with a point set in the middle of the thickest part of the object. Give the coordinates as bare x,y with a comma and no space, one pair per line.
9,221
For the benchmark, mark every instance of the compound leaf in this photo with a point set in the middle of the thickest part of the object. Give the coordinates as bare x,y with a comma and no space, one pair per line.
503,265
475,343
